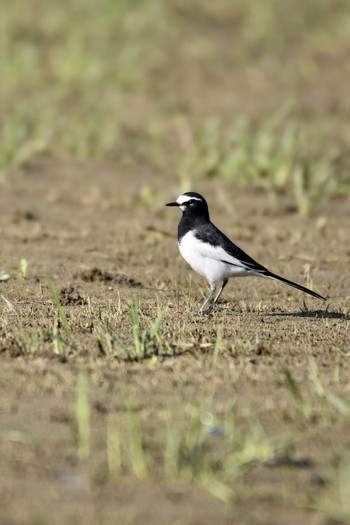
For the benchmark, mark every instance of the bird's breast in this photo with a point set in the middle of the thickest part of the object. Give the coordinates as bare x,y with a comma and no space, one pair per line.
197,255
190,251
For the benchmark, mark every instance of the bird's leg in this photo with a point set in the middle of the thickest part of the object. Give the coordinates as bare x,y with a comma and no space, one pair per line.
207,299
224,283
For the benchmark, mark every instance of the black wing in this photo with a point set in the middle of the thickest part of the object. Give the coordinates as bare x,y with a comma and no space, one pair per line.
211,234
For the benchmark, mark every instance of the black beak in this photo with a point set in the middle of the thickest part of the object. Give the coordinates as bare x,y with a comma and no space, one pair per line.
173,204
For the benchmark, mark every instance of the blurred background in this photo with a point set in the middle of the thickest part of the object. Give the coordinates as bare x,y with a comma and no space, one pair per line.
249,92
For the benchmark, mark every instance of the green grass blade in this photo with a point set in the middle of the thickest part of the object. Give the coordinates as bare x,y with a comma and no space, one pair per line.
82,414
61,313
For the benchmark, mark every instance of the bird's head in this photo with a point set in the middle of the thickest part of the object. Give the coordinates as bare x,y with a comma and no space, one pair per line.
191,203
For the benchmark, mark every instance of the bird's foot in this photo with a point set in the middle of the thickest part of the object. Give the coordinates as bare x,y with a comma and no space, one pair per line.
210,307
204,311
217,306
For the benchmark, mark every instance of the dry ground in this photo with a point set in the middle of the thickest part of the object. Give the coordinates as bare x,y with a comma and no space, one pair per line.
118,404
265,362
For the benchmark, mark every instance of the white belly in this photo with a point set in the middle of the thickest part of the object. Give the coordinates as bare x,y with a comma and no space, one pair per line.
208,260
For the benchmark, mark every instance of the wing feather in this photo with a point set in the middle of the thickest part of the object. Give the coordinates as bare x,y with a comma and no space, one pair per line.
216,245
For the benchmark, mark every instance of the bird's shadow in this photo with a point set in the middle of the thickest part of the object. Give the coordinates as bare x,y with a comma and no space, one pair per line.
314,314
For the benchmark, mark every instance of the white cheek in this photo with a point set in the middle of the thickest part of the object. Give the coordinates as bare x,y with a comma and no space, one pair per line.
182,207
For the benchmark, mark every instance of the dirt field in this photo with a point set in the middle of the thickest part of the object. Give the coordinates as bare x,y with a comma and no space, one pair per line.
278,379
119,405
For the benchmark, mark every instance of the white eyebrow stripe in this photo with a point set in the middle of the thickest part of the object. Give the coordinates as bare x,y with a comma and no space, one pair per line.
185,198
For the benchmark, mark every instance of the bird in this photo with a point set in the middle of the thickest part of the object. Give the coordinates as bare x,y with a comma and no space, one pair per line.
213,255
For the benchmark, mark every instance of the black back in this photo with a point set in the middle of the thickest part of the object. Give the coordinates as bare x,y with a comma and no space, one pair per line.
212,235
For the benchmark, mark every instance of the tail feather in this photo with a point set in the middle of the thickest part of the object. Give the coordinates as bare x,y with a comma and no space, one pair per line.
291,283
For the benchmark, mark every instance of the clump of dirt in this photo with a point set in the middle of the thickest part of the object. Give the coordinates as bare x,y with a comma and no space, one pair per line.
25,215
69,296
10,345
97,275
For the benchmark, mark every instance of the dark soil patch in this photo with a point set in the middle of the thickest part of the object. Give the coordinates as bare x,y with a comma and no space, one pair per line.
98,275
69,296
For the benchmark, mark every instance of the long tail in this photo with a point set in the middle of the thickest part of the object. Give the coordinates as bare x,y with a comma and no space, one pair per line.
290,283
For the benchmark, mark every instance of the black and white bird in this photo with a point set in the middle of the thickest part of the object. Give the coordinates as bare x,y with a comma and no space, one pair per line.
210,253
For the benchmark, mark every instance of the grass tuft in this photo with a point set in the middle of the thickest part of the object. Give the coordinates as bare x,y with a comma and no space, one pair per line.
144,339
62,317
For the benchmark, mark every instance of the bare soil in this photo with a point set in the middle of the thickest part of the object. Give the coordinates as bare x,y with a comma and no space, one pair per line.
86,228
